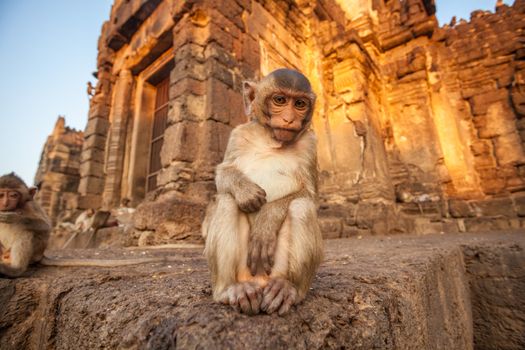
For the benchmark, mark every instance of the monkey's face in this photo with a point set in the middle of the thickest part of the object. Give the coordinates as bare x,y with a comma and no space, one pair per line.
9,199
288,113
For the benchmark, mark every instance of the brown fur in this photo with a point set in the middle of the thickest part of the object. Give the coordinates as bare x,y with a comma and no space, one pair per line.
263,241
23,232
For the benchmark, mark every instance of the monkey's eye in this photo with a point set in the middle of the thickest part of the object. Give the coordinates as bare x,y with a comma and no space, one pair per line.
300,104
14,195
279,99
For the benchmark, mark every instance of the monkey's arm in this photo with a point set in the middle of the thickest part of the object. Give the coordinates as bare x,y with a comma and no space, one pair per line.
229,179
248,195
9,217
20,257
263,231
32,224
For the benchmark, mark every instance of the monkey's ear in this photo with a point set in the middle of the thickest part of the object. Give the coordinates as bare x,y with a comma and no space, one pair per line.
248,93
32,192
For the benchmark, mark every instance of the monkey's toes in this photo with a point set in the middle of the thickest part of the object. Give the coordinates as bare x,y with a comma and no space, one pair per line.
245,297
280,295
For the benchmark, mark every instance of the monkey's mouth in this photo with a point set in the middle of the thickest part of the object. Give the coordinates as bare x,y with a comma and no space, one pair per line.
284,135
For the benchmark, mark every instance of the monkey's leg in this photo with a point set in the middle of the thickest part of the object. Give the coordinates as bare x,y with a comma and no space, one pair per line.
298,254
21,252
226,250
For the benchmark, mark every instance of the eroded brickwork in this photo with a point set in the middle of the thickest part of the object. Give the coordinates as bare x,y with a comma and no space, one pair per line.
420,127
58,171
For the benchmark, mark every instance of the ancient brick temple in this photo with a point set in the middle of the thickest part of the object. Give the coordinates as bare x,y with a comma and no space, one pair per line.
420,127
58,171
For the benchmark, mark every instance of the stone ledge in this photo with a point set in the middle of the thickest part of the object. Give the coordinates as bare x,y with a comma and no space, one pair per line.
395,292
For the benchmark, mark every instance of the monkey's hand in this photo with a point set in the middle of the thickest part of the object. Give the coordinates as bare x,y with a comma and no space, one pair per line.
249,196
279,295
263,237
264,227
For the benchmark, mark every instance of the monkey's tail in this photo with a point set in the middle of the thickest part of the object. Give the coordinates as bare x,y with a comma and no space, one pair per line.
103,262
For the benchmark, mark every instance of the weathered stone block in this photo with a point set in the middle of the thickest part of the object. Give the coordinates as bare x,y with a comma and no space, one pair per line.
176,171
87,201
94,141
424,280
224,104
91,185
481,103
176,111
189,51
217,52
92,154
91,168
250,51
213,140
481,147
188,69
494,207
216,70
331,227
460,209
98,126
168,210
509,149
181,143
484,161
196,106
98,110
187,86
486,224
519,203
379,217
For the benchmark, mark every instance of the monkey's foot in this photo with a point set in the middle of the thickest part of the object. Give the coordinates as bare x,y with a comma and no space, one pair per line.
279,295
243,296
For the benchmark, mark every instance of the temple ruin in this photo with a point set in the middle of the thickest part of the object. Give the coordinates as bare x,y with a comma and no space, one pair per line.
420,128
58,171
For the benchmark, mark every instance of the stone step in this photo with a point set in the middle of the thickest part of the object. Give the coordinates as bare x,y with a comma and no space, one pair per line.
384,292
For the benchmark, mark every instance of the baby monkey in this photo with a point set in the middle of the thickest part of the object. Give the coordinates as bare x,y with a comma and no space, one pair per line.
263,242
24,227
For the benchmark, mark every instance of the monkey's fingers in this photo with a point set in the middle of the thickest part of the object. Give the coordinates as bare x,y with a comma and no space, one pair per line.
271,252
253,257
249,206
262,199
265,259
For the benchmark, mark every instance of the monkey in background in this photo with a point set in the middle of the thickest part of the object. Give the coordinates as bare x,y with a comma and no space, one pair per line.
263,242
24,227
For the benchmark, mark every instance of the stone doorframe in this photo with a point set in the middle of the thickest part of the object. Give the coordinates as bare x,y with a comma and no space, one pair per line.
144,102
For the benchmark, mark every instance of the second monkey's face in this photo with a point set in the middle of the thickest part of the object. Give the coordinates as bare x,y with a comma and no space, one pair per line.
288,113
9,199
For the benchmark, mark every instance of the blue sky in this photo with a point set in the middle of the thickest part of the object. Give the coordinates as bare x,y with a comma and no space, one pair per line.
47,54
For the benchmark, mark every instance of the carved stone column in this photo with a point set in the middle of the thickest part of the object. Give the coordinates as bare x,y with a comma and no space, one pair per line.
116,147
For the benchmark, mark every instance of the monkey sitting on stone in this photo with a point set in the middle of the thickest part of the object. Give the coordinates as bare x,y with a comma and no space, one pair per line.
263,242
24,227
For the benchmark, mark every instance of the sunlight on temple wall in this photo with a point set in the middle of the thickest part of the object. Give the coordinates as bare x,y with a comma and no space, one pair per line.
356,8
454,146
